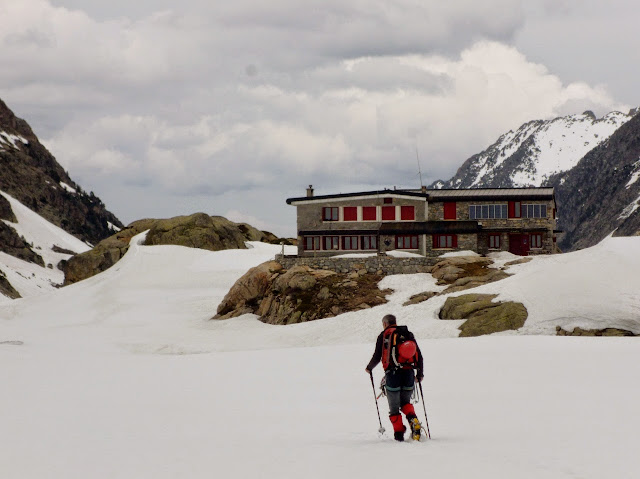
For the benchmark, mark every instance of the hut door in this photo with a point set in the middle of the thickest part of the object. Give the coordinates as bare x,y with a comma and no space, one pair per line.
519,244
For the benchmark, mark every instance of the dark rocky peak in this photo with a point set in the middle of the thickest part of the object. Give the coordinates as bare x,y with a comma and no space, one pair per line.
30,173
14,125
601,194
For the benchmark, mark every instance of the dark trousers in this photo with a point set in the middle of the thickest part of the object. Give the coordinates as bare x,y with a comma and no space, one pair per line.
399,387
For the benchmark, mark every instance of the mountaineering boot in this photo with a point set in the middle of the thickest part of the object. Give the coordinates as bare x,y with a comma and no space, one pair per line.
416,427
398,427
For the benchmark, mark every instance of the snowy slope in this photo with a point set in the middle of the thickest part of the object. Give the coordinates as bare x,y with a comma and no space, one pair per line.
123,375
27,278
536,151
559,144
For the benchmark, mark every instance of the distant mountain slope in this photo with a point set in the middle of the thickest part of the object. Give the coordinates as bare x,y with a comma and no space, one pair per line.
594,164
31,266
30,174
601,194
536,151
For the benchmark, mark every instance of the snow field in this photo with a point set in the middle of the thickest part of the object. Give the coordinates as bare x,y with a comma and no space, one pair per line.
123,376
525,407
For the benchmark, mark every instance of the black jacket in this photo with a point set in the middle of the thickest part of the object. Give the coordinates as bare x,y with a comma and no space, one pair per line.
377,354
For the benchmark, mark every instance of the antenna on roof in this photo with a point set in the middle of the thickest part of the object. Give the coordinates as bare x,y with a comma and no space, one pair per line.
419,169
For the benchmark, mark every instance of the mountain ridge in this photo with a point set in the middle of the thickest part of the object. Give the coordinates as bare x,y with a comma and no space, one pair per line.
573,155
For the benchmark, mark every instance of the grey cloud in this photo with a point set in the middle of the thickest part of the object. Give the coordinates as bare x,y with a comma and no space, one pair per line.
232,106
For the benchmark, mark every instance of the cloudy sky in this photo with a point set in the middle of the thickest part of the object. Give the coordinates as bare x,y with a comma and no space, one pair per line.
165,108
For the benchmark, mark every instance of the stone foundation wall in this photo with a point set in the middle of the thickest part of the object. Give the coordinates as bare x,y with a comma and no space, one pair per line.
372,264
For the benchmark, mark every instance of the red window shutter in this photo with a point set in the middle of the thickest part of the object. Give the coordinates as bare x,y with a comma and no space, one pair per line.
388,213
455,241
450,210
350,213
369,213
407,213
515,209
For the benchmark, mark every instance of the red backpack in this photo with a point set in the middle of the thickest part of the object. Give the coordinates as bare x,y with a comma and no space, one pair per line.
399,349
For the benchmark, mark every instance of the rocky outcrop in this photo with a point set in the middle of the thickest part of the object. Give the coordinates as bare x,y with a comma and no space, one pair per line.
6,288
199,230
299,294
213,233
466,272
6,213
14,245
594,332
483,315
420,297
460,273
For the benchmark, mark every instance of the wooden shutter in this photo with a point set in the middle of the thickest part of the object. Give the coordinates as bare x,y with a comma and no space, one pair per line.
350,213
449,210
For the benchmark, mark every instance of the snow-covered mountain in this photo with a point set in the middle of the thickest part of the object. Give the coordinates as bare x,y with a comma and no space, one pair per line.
594,164
49,242
44,216
537,150
124,375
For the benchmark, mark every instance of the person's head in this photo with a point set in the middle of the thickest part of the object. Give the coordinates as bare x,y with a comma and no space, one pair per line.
388,320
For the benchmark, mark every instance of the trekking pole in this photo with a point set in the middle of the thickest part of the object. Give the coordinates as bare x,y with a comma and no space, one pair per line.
426,420
381,430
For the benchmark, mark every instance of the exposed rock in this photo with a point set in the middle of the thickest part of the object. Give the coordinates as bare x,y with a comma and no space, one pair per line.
483,315
463,306
299,294
465,272
248,290
451,269
199,230
420,297
14,245
298,277
594,332
6,288
58,249
6,213
518,261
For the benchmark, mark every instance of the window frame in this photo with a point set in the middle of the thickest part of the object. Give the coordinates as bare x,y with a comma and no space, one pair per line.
371,239
334,214
500,211
317,244
350,239
529,210
335,243
497,240
448,244
536,239
413,240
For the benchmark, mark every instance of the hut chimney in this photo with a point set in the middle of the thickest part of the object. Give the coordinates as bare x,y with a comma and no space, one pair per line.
310,191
